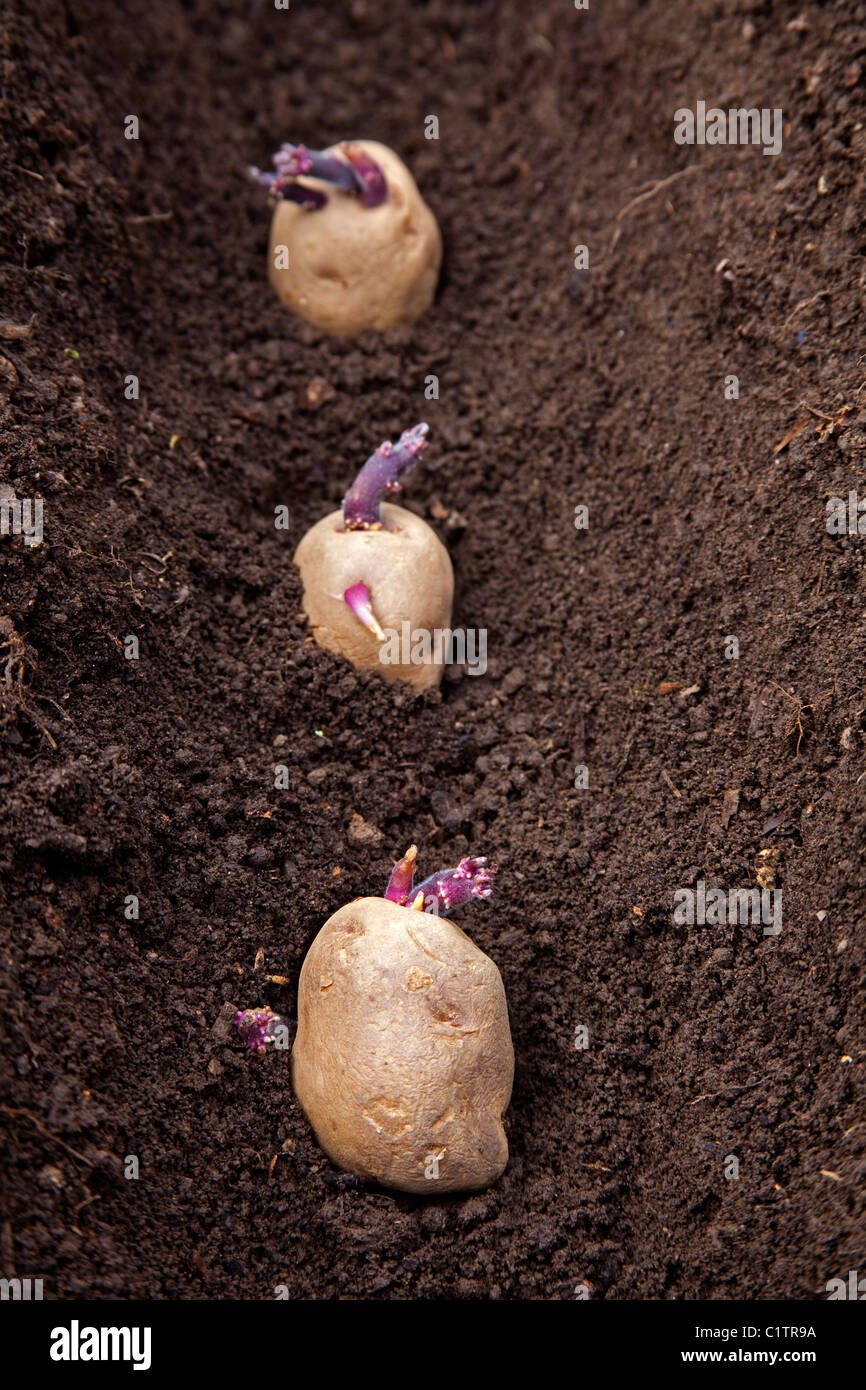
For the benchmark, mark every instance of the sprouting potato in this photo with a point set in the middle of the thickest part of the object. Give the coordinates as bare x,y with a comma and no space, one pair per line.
403,1059
373,568
353,245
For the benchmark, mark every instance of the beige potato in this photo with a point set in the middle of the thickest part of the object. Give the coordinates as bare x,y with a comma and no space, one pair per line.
403,1059
350,267
408,572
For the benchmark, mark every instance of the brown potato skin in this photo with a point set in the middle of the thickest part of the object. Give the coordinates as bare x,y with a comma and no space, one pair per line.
353,268
403,1052
408,573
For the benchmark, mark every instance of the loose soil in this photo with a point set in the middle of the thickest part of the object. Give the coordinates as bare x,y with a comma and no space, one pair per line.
609,646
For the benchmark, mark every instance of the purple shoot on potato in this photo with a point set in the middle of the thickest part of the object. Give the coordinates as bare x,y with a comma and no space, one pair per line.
372,179
402,878
304,196
358,599
355,174
379,476
442,892
452,888
261,1028
295,161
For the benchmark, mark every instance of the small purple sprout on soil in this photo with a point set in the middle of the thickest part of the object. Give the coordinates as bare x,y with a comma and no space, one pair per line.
442,892
356,174
260,1028
358,599
379,476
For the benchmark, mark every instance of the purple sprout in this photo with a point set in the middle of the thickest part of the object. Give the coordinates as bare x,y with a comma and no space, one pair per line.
361,604
379,476
355,174
442,892
452,888
402,878
260,1028
367,171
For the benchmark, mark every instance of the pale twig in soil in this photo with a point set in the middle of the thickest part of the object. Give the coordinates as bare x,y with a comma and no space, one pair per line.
804,304
649,193
43,1130
796,722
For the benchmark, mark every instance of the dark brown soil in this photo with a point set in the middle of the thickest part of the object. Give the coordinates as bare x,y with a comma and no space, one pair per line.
155,778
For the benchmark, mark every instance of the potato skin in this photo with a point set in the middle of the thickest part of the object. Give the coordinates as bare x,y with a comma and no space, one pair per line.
353,268
403,1059
408,572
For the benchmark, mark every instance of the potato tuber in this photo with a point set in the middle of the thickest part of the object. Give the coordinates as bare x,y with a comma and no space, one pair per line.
374,566
403,1060
353,245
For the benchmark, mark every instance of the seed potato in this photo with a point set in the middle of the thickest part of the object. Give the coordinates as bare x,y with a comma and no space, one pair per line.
403,1060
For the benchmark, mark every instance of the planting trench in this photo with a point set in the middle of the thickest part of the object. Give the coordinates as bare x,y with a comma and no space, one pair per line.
606,645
